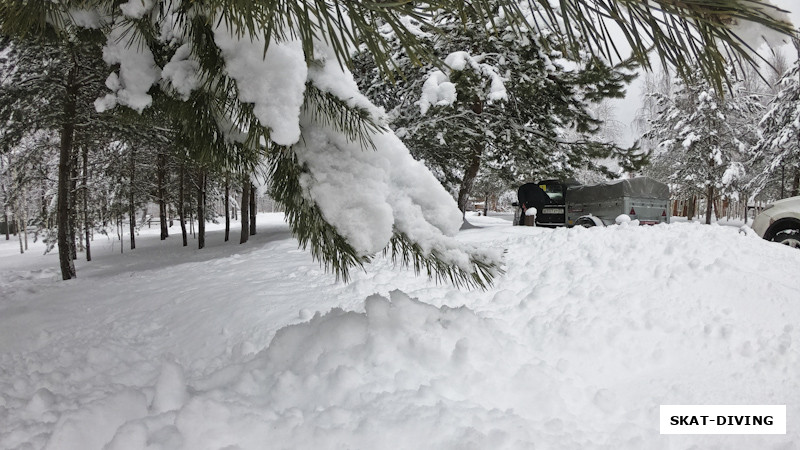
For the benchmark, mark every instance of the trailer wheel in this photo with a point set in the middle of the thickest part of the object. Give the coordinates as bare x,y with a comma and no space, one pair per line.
584,222
790,239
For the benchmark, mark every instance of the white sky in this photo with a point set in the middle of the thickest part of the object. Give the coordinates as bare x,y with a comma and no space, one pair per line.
625,110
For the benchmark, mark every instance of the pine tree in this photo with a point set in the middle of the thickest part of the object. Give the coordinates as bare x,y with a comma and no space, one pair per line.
778,151
501,101
703,138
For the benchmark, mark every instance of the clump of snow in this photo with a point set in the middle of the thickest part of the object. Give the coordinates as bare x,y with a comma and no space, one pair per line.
690,140
137,71
622,218
327,75
170,29
181,72
136,9
395,193
170,389
460,60
531,211
413,26
733,173
274,82
42,401
437,91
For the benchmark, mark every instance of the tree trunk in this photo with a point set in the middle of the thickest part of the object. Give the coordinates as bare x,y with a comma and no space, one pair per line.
64,160
18,221
783,180
162,202
104,213
45,223
121,233
486,204
709,203
227,206
744,196
73,205
131,205
728,207
181,212
252,210
796,182
86,225
470,173
245,235
5,204
201,210
25,222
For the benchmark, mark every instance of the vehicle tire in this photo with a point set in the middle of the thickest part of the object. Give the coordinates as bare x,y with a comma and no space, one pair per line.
585,223
790,239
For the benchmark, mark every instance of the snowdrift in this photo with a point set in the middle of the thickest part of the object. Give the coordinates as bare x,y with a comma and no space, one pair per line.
589,331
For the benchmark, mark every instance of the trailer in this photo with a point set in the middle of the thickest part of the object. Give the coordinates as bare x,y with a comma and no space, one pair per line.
568,204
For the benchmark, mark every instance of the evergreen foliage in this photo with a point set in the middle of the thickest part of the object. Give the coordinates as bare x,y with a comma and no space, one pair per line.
703,138
502,105
779,148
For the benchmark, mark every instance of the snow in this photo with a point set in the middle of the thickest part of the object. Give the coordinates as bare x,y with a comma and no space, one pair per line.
459,61
137,72
576,345
170,390
273,81
136,9
412,26
87,18
733,173
531,211
329,76
622,218
396,194
182,72
755,35
437,91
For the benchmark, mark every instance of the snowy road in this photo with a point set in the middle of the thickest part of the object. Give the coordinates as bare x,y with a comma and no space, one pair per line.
576,346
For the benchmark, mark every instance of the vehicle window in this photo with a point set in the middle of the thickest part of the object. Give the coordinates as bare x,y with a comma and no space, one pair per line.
554,191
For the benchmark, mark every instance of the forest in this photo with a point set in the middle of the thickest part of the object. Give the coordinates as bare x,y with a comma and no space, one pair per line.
121,114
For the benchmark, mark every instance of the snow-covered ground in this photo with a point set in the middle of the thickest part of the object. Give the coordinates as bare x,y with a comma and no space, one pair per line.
255,346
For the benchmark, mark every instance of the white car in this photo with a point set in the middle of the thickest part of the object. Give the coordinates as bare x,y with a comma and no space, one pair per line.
780,222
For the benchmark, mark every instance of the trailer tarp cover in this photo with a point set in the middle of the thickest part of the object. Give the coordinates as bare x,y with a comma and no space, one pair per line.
642,187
